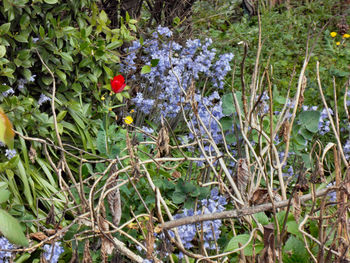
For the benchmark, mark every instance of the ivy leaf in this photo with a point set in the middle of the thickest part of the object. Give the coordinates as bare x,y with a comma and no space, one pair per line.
6,130
11,229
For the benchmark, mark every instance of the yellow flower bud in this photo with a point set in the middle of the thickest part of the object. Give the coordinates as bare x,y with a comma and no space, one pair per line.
337,43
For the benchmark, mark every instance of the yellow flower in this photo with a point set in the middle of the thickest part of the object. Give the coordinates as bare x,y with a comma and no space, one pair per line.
128,119
346,36
103,98
333,34
132,111
337,43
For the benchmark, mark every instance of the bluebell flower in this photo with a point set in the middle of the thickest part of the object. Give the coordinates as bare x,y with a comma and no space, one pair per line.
164,31
5,245
290,172
32,78
53,252
8,92
43,98
332,195
346,149
10,153
211,229
147,130
21,83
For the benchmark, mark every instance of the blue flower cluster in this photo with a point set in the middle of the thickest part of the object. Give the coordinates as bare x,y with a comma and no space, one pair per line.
53,252
5,245
346,149
20,86
10,153
174,69
210,229
43,98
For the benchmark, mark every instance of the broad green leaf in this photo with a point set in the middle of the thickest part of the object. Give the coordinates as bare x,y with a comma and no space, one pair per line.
11,229
178,197
228,105
310,120
292,227
4,195
241,240
294,251
262,218
101,142
6,130
145,69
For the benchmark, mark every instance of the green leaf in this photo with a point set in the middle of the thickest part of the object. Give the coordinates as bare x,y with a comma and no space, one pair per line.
292,227
145,69
66,57
103,17
62,76
101,142
178,197
108,71
262,218
294,251
240,240
61,115
51,2
21,38
4,195
228,105
11,229
114,44
85,62
2,51
154,62
41,32
4,28
310,120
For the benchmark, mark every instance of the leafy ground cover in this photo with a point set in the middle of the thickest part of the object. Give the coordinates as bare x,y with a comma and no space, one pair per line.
225,138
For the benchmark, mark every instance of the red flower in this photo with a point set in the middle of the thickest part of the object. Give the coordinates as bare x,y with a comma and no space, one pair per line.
118,84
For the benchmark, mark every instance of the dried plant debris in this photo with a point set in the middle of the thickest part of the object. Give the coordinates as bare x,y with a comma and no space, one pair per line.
318,173
261,196
243,176
163,142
